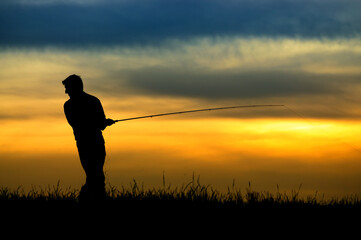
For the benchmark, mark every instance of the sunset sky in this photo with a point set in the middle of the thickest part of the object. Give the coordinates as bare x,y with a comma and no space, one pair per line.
142,57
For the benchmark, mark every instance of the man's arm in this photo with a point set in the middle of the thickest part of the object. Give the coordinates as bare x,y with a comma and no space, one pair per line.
102,120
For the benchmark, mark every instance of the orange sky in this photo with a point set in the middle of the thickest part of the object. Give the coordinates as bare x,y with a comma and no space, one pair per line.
319,154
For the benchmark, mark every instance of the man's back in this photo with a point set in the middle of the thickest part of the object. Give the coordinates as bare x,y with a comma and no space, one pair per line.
86,116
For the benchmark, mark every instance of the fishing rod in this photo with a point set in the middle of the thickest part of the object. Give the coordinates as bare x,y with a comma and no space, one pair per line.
223,108
196,110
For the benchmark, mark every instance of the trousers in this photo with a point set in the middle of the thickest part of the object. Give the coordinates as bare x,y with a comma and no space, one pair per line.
92,157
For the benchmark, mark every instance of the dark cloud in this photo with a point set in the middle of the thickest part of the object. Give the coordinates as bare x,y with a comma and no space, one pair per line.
152,22
231,84
308,95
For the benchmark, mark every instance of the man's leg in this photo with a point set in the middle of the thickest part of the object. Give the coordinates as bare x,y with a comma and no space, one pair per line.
92,157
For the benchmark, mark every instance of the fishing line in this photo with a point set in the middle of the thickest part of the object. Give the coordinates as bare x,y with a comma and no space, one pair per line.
234,107
197,110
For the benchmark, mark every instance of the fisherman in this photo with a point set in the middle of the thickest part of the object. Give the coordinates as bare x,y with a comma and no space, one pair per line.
85,115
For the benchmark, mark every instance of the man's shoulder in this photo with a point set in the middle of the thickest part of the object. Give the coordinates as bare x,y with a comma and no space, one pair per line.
84,99
91,97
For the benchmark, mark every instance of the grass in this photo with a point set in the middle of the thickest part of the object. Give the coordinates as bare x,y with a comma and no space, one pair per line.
193,194
188,209
185,209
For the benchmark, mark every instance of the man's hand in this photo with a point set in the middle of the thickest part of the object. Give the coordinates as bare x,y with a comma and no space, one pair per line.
109,122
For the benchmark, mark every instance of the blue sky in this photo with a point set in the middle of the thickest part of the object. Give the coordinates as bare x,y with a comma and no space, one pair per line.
143,22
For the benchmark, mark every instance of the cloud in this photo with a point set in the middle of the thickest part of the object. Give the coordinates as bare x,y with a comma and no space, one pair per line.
73,23
321,78
230,85
312,95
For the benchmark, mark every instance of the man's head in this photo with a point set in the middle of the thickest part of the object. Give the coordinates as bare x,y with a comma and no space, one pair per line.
73,85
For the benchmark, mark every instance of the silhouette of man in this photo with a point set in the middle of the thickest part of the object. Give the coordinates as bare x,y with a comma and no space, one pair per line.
86,116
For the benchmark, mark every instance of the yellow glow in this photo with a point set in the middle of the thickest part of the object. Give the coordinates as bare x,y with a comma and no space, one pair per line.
271,137
182,143
221,137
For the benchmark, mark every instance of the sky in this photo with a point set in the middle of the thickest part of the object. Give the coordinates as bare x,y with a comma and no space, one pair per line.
142,57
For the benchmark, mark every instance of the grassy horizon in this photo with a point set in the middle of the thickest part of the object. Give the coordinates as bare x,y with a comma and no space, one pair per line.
193,206
193,193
